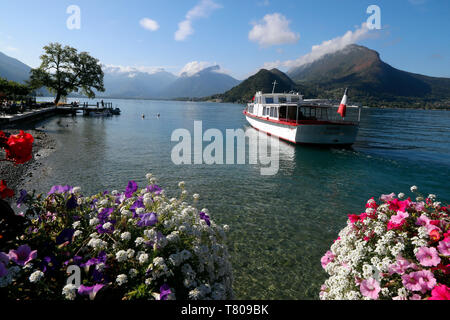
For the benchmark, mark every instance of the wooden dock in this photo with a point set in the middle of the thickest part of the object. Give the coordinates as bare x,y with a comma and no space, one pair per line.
87,109
27,115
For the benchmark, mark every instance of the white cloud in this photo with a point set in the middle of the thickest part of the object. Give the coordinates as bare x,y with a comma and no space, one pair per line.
326,47
273,29
110,68
194,67
149,24
202,10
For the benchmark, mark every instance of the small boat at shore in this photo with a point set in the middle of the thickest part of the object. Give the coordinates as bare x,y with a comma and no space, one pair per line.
304,121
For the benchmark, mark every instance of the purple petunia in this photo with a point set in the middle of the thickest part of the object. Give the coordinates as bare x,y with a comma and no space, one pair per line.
22,197
147,219
23,255
64,236
164,291
205,217
131,188
71,202
154,188
60,189
90,291
104,214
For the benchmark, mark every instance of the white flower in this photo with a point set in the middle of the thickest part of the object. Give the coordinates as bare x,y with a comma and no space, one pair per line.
69,291
139,241
143,258
133,273
121,279
121,256
76,190
401,195
107,225
36,276
413,188
126,213
181,184
77,233
148,176
196,196
432,196
94,221
125,236
140,211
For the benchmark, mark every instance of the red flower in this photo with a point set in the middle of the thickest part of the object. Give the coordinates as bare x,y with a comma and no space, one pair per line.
434,235
397,205
18,147
353,218
4,191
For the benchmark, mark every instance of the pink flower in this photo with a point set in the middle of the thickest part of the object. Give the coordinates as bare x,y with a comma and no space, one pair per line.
444,247
428,257
422,281
418,206
370,288
423,220
22,255
440,292
400,266
411,281
327,258
415,297
399,218
426,280
388,197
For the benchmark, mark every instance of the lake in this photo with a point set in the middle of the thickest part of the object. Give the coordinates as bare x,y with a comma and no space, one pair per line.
280,225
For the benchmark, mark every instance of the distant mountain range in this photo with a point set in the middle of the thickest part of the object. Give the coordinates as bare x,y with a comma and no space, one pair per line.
140,85
165,85
13,69
371,82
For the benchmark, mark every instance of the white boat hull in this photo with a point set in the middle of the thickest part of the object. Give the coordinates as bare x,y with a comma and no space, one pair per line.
322,134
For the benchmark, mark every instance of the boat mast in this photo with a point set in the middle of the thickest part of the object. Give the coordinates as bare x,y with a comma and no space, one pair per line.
274,84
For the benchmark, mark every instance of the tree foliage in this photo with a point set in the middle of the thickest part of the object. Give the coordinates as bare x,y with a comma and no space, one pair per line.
63,70
12,89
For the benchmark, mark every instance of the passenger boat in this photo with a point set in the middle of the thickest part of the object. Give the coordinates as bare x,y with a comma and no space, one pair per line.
304,121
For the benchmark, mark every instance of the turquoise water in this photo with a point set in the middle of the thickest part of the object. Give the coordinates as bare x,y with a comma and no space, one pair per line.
280,225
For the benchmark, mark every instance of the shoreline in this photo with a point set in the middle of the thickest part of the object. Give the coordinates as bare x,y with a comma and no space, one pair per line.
17,176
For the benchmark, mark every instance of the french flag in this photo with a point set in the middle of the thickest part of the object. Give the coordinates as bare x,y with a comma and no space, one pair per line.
343,106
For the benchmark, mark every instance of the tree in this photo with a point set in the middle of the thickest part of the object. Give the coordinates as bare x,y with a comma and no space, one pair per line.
63,70
11,89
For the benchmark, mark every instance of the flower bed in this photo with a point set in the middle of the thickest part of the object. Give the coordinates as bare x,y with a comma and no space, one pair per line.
397,250
136,244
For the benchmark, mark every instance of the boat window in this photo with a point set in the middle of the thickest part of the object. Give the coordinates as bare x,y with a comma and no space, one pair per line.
271,111
275,113
269,100
295,99
281,99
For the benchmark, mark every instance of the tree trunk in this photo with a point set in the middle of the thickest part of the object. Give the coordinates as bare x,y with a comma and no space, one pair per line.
57,98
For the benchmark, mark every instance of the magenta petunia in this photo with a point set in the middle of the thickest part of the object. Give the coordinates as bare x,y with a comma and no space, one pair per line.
428,257
440,292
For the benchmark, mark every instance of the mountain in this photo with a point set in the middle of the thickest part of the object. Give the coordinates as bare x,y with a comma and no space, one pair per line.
261,81
203,83
135,84
371,81
13,69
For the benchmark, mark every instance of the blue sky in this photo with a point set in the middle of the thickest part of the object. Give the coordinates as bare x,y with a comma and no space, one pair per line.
240,36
